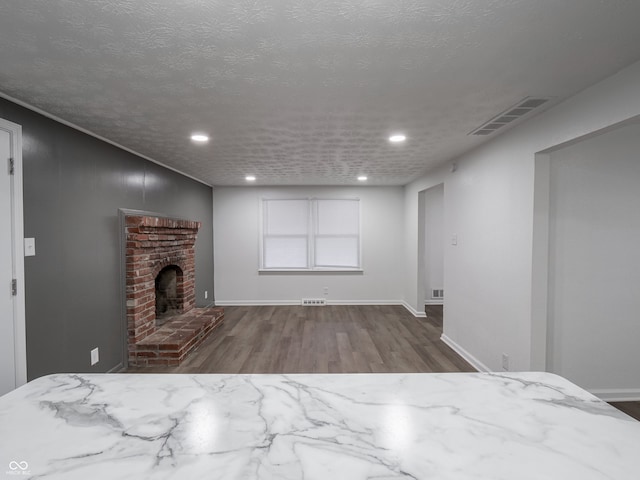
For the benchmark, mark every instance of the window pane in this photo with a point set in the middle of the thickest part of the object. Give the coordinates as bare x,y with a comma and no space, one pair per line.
285,252
286,217
337,252
338,217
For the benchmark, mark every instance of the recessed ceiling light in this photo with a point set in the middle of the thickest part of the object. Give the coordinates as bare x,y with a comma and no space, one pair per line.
362,178
397,138
200,137
250,178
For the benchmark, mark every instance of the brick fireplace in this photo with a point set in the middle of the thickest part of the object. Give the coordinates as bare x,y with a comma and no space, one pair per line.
155,245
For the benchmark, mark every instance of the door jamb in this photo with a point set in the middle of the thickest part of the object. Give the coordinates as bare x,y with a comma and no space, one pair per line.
19,322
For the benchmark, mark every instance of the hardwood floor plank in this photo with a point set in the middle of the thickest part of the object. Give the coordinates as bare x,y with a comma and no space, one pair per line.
347,363
630,408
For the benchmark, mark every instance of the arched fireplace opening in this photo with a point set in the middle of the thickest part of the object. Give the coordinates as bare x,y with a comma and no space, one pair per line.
169,300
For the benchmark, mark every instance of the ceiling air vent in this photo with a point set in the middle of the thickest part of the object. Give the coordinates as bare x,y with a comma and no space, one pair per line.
519,110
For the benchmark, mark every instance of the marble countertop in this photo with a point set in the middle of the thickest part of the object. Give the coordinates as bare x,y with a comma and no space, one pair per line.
361,426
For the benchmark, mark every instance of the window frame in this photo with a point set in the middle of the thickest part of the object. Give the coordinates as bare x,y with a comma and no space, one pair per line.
312,235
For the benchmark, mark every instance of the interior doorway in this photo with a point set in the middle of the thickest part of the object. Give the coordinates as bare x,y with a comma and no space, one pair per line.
12,327
594,232
585,262
431,249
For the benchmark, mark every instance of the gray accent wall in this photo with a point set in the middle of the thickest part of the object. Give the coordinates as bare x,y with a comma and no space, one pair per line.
74,185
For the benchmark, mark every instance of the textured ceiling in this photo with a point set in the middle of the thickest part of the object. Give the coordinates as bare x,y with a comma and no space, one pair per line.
304,91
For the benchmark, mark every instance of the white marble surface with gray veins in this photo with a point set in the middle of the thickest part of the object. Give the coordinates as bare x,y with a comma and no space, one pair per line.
361,426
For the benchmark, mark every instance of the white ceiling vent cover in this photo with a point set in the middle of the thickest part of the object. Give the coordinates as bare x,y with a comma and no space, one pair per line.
519,110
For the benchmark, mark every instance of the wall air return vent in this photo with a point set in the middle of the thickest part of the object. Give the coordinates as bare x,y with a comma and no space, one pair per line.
522,108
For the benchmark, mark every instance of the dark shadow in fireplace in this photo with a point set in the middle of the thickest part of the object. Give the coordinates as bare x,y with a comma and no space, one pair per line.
168,299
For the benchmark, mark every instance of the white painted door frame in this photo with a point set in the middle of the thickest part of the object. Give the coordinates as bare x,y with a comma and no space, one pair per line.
17,229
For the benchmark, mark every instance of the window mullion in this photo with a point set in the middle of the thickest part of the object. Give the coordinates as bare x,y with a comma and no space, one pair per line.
311,234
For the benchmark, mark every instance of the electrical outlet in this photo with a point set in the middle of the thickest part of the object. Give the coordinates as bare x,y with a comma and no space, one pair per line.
95,356
206,294
326,290
505,362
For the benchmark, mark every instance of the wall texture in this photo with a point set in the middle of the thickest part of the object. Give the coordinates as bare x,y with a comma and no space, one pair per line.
237,229
74,185
594,259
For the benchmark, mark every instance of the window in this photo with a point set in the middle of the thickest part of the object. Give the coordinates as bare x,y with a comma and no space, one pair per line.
337,233
285,234
310,234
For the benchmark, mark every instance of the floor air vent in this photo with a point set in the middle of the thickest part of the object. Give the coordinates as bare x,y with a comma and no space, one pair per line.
523,108
437,293
314,302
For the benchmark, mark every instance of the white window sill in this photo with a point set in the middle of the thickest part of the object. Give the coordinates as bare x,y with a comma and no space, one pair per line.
307,271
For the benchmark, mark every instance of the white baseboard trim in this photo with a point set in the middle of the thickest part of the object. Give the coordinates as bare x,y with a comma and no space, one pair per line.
475,363
364,302
617,395
256,303
413,311
433,302
259,303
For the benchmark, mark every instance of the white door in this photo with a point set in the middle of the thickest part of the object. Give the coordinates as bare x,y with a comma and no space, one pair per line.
12,352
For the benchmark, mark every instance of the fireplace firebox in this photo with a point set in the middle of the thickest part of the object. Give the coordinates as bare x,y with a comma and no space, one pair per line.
168,301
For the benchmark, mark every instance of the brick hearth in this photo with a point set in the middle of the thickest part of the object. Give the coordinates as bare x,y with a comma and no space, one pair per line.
154,243
172,342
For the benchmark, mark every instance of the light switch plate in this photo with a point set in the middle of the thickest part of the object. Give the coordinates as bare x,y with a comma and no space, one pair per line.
29,247
95,356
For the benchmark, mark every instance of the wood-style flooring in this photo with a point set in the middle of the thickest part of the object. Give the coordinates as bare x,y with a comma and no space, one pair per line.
630,408
330,339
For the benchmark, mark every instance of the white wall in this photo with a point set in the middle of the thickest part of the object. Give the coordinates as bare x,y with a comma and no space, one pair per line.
236,239
594,261
489,204
433,242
